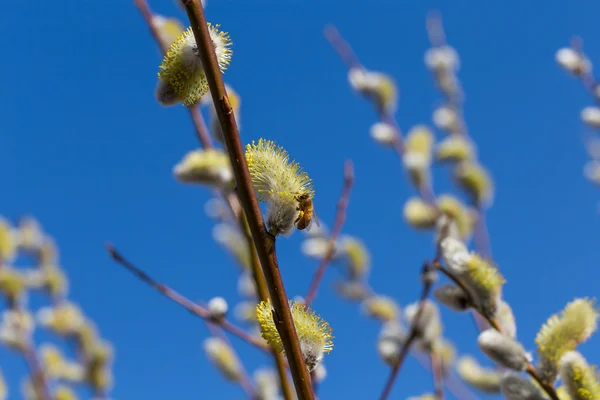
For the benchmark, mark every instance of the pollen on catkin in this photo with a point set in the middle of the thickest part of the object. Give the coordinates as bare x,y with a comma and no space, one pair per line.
563,333
278,181
182,77
314,333
580,379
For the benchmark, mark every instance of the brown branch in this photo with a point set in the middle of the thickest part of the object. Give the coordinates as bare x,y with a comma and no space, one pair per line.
412,336
438,375
263,294
199,124
340,218
265,244
183,301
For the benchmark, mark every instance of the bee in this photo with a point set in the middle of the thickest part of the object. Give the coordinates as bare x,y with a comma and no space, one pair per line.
306,213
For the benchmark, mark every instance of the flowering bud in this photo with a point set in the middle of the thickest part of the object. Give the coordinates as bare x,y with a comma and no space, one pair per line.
208,167
485,379
418,147
380,88
8,242
356,256
181,76
441,59
445,118
384,134
64,319
459,212
316,247
591,117
382,308
452,296
420,214
455,148
217,307
168,28
314,333
476,181
563,333
581,381
224,358
573,62
482,279
515,387
352,290
502,349
280,183
13,284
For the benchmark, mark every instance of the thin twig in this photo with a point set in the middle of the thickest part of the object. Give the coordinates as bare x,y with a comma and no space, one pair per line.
265,244
438,375
183,301
195,114
340,218
412,336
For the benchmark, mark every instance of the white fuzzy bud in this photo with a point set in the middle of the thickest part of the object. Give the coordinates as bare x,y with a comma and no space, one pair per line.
515,387
441,59
573,62
591,117
503,350
452,296
217,306
384,134
445,118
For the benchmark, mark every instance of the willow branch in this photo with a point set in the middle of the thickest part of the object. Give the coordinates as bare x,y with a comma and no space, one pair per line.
412,336
265,244
263,294
199,124
438,375
345,52
183,301
340,218
548,387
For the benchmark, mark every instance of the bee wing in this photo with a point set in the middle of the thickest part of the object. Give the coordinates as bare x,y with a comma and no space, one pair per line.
314,219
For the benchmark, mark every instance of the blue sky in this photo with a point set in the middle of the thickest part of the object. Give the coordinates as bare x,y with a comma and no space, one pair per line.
86,149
